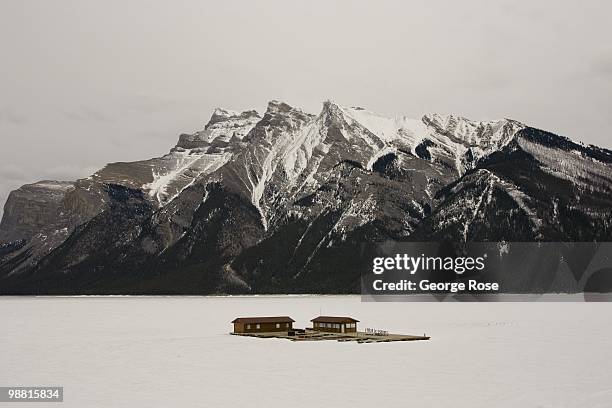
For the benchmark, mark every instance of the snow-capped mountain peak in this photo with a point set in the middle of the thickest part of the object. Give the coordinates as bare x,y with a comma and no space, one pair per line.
483,135
264,202
283,108
223,126
275,106
220,114
386,128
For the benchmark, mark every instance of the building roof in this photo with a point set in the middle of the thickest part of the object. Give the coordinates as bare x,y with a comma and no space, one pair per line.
334,319
268,319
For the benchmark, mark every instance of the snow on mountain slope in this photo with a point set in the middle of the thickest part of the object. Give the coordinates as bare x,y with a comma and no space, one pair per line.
574,165
162,179
181,168
199,154
223,126
335,135
449,135
303,186
480,198
252,169
484,135
444,137
290,153
194,156
467,140
388,129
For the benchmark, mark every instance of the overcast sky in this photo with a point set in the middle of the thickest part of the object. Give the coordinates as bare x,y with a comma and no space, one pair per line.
83,83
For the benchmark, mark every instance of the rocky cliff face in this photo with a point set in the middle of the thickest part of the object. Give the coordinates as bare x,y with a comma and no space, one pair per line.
32,207
44,214
280,203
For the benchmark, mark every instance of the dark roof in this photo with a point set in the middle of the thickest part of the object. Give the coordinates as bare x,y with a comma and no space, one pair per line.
269,319
334,319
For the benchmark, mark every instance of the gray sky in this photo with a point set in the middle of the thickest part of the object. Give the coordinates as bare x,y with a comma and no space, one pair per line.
83,83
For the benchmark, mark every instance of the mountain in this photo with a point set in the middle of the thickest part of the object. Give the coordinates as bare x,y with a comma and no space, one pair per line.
282,203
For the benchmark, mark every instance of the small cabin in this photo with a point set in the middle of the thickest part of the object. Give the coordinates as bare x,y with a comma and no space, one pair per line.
335,324
263,324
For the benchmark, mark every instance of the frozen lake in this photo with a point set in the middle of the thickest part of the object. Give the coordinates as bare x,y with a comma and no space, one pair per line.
176,352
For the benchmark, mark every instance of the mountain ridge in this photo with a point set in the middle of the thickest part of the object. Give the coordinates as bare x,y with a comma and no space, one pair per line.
307,185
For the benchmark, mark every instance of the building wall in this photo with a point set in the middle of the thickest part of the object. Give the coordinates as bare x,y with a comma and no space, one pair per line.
263,327
327,329
318,327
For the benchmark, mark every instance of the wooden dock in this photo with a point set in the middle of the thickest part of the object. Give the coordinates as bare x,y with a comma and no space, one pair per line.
312,335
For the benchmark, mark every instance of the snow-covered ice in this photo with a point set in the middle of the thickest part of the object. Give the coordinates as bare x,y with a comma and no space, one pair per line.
176,352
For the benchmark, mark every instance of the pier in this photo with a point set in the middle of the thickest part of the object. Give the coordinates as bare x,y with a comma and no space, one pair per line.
314,335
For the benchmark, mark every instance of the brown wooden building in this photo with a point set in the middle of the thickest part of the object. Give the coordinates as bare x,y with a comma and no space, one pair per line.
335,324
262,324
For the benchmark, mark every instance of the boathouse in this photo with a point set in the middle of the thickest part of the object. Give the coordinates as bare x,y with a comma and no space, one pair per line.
335,324
262,324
